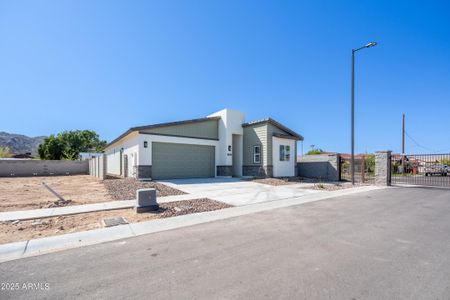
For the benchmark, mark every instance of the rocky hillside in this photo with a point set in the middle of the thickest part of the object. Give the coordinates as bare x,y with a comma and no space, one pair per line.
20,144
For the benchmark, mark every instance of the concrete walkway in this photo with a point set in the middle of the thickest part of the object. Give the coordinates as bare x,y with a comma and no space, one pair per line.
238,192
79,209
55,243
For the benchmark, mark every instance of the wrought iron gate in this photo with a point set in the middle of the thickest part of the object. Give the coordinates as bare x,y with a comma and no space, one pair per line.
421,169
364,168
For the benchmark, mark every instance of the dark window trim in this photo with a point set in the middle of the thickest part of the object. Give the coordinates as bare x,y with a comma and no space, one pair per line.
260,153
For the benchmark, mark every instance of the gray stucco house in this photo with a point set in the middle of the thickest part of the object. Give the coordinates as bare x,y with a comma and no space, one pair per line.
221,144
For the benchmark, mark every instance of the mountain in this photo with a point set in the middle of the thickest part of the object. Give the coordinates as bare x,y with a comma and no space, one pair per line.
20,144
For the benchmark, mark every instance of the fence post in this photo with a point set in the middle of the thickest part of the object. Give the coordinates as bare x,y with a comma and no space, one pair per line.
383,168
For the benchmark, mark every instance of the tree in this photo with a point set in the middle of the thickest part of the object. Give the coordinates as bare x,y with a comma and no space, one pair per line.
370,162
445,161
314,151
5,152
69,144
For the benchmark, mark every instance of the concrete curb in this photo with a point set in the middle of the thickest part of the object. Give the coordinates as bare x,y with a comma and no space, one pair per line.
85,208
29,248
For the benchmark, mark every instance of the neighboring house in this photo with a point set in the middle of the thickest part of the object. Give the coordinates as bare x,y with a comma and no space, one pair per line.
221,144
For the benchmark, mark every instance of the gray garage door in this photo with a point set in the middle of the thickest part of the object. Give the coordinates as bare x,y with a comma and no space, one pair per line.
182,161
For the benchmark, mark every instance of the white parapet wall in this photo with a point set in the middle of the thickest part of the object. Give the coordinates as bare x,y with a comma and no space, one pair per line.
31,167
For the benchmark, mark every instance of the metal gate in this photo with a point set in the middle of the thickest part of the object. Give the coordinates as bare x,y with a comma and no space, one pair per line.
421,169
364,168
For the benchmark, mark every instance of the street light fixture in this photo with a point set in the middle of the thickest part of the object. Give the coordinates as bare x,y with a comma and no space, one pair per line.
371,44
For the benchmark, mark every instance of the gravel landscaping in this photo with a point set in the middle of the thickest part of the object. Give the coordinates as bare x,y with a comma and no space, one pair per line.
285,180
310,183
38,228
125,188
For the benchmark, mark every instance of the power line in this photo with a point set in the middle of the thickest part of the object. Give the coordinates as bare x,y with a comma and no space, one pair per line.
419,145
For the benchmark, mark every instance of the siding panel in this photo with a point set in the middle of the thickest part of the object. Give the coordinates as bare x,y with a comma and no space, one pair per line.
208,129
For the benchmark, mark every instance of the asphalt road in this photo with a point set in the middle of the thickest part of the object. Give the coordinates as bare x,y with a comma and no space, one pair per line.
386,244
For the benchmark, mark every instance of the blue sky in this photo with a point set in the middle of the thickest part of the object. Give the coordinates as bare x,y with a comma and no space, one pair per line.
111,65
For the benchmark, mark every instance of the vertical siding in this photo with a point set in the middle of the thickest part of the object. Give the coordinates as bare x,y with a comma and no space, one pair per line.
255,135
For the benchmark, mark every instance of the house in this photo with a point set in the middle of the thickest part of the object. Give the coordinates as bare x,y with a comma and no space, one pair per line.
221,144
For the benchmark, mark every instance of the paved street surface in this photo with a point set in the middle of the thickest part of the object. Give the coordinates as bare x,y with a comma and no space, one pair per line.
385,244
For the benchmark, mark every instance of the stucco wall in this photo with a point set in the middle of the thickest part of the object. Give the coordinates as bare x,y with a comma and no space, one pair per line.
286,167
25,167
319,166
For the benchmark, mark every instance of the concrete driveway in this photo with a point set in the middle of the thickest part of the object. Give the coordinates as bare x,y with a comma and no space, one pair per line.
238,192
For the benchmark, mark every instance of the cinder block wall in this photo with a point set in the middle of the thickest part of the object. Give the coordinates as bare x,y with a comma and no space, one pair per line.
321,166
28,167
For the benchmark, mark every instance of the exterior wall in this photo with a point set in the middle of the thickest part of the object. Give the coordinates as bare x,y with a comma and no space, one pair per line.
225,171
319,166
134,146
230,123
270,131
283,168
254,135
26,167
237,155
257,171
97,166
130,146
206,129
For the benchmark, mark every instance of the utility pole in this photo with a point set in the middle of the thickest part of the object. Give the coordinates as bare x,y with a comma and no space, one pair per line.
403,133
403,143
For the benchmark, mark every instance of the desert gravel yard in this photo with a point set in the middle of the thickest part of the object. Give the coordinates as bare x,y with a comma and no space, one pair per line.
23,193
38,228
125,188
311,183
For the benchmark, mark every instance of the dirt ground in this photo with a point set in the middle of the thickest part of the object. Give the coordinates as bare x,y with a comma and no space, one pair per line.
38,228
23,193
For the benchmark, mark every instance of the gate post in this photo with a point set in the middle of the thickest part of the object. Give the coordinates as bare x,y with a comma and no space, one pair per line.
383,168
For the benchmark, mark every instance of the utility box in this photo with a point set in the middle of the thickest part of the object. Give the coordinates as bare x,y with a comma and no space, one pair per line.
146,200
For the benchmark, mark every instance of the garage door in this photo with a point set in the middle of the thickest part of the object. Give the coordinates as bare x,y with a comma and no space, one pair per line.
182,161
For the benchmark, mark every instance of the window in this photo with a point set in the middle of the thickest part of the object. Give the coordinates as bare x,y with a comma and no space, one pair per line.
282,153
285,152
257,154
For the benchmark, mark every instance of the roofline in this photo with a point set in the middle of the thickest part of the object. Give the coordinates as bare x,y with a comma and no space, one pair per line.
139,128
276,124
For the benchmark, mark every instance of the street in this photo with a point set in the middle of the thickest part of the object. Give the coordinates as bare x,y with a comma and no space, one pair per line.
392,243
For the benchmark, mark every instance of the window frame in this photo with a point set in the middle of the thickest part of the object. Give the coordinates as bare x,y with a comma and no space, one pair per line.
255,154
282,155
285,153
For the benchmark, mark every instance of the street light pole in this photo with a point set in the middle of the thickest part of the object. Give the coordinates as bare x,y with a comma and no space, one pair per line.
353,117
371,44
